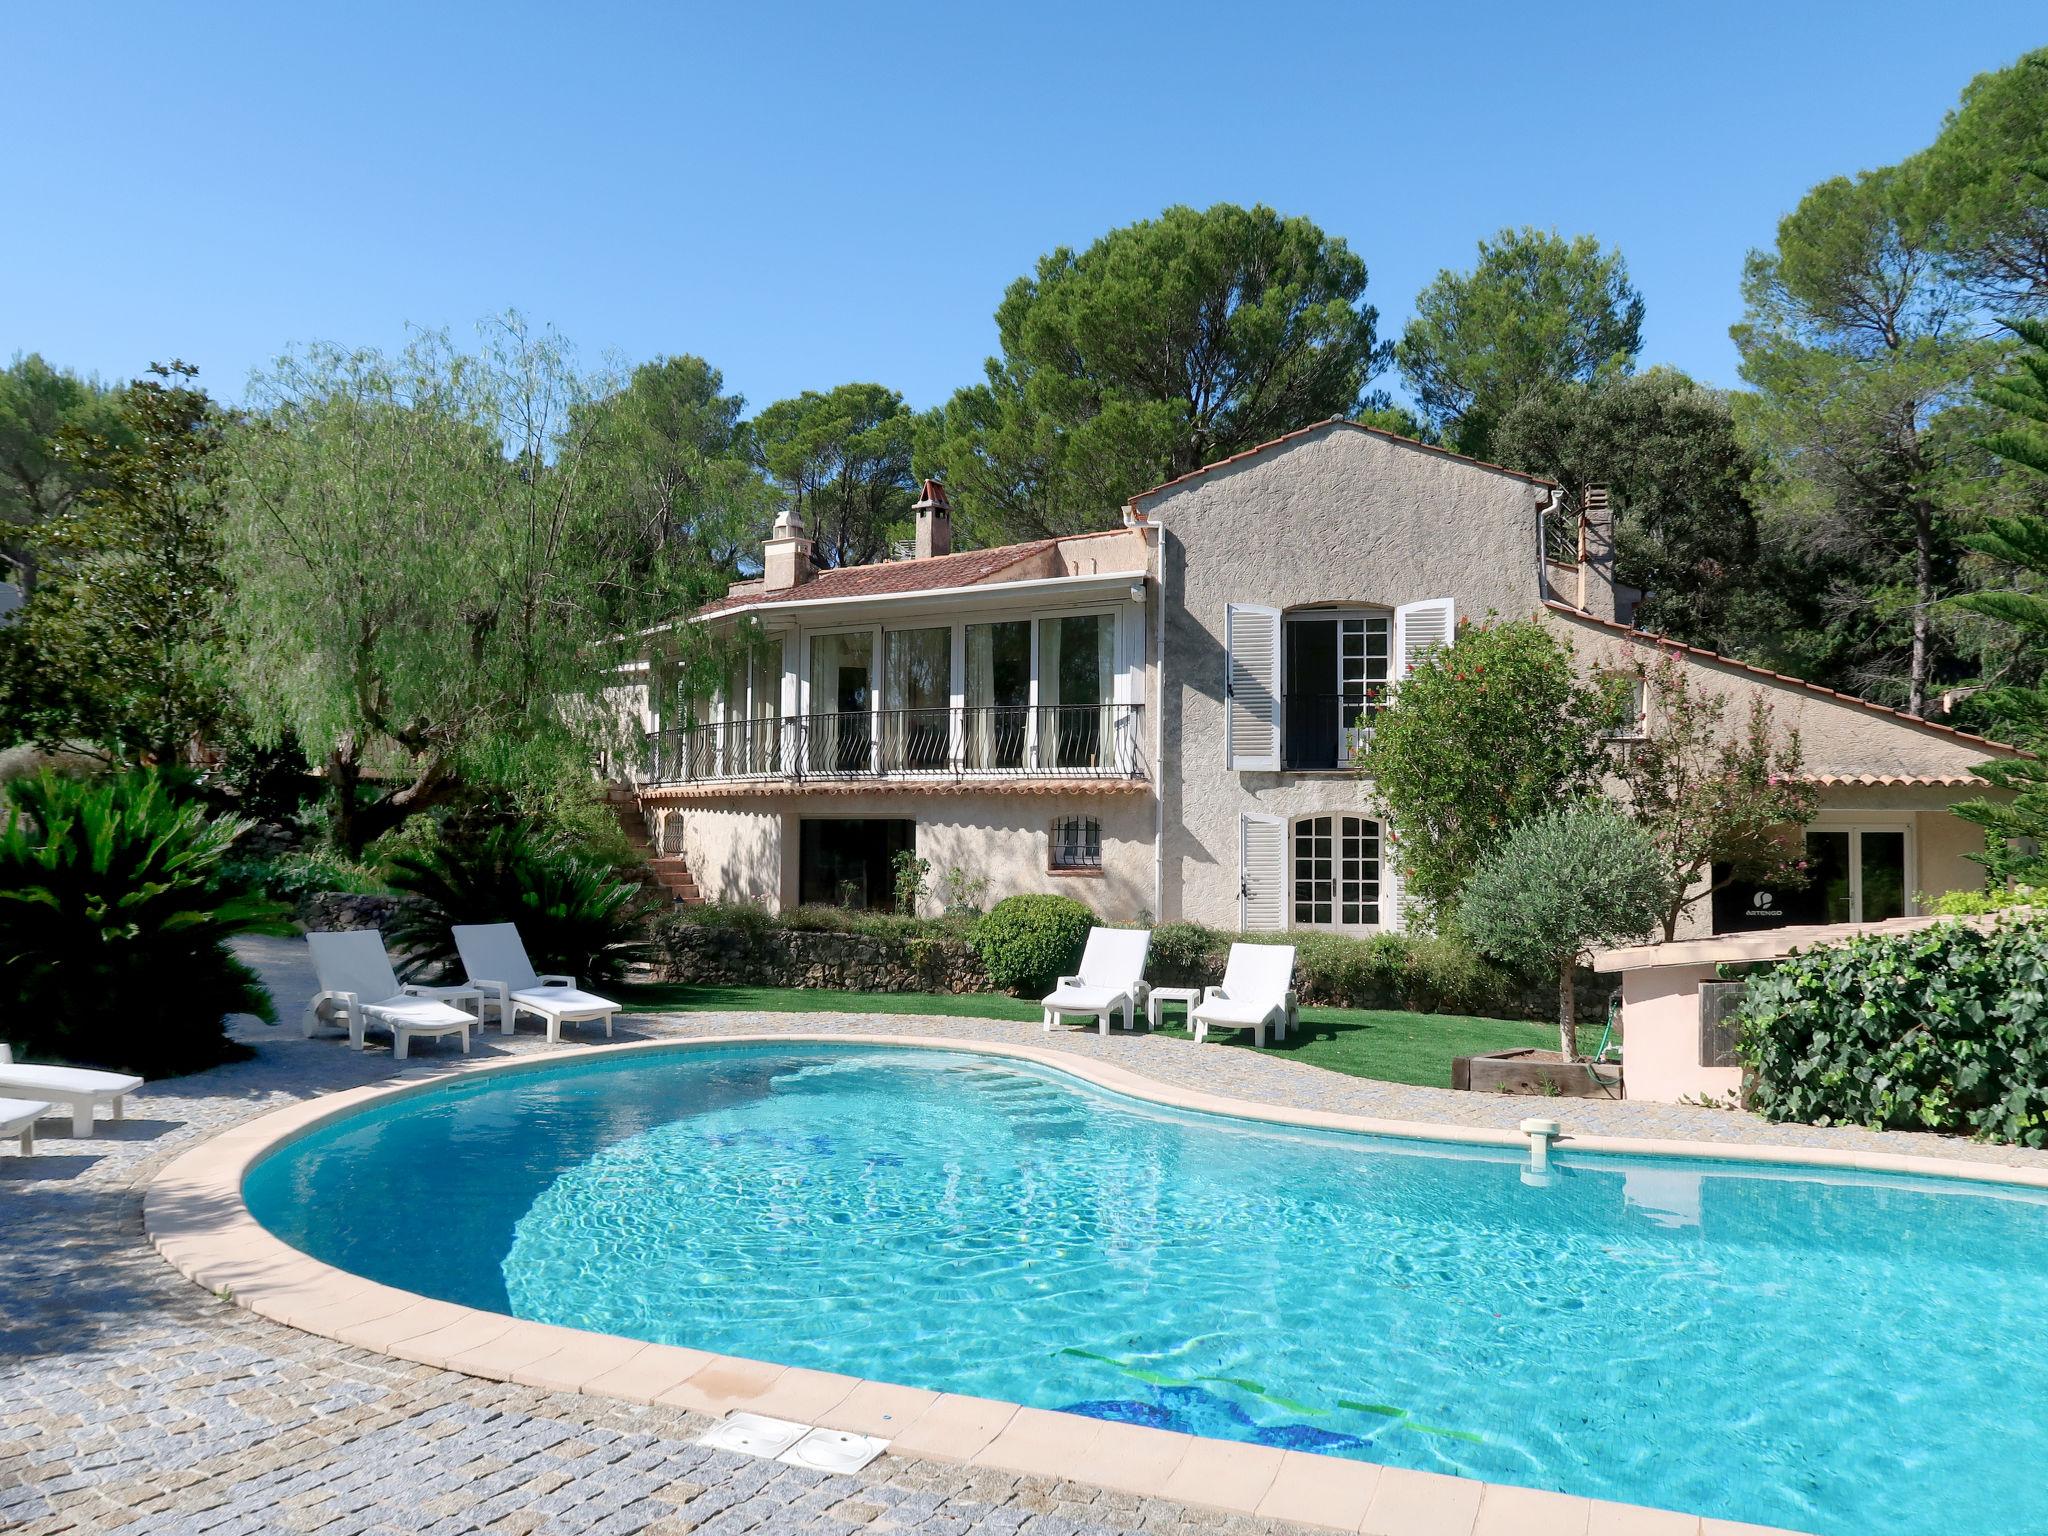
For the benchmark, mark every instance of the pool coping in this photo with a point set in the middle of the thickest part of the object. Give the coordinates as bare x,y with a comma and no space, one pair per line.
195,1217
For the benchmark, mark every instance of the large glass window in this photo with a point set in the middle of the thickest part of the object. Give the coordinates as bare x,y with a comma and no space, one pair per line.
998,694
1853,875
840,728
1076,690
1336,872
1335,678
917,698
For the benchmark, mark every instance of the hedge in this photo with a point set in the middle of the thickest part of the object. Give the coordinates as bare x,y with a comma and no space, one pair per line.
1418,974
1943,1029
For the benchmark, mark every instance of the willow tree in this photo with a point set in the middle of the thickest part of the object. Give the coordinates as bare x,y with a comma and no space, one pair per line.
426,568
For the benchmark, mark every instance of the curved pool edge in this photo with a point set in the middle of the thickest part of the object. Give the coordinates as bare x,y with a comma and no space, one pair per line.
194,1215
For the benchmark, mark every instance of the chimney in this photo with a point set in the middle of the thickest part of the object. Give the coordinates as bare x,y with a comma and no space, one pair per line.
934,522
786,556
1596,548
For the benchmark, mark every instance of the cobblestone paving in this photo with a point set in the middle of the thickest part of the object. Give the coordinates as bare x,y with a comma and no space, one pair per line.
130,1400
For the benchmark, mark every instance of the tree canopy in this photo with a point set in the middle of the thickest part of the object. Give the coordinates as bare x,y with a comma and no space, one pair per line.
424,568
1980,190
120,647
1536,309
1165,345
1562,884
1858,345
39,404
843,458
673,463
1686,524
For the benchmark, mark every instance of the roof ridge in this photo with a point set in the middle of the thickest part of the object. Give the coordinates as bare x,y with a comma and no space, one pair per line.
1354,426
1650,635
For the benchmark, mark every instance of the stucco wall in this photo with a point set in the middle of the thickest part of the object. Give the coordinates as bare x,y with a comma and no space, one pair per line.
735,855
1837,735
1336,516
752,855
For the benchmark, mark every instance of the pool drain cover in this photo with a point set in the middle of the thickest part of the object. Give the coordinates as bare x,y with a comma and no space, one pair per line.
834,1450
753,1434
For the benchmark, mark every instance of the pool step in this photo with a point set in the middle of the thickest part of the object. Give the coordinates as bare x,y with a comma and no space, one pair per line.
798,1445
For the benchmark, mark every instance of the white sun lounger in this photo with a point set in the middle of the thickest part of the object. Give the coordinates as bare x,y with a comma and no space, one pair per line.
78,1089
494,958
357,982
1257,992
1112,976
18,1117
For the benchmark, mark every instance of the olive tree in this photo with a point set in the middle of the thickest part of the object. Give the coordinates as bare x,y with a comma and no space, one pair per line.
1560,886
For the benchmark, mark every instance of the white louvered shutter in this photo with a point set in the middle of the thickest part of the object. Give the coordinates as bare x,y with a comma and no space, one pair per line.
1261,874
1251,688
1420,628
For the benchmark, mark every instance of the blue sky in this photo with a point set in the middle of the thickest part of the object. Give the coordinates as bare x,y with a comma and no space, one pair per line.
812,195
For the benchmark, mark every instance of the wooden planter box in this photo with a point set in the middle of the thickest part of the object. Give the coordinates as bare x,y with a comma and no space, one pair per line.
1529,1072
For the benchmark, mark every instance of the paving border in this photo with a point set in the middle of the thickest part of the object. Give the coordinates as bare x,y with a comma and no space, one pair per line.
195,1217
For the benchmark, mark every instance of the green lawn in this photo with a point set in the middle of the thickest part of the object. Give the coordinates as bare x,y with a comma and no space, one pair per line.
1393,1047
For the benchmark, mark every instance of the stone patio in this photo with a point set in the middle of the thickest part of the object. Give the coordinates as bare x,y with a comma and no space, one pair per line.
131,1400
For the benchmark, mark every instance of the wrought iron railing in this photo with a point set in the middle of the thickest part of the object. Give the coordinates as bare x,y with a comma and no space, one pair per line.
999,741
1324,729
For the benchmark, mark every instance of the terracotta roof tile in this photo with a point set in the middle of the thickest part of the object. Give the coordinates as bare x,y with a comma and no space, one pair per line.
1890,780
958,570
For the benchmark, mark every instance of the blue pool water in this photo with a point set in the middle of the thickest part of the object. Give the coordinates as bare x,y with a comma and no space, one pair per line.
1796,1347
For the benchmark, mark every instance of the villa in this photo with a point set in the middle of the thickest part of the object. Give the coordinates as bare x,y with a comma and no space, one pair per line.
1159,718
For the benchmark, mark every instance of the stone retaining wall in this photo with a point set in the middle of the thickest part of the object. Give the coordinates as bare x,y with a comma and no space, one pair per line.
341,911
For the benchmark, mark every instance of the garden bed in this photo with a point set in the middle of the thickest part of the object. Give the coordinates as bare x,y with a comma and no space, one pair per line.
1536,1072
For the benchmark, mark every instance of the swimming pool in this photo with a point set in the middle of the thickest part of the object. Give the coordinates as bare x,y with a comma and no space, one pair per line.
1801,1347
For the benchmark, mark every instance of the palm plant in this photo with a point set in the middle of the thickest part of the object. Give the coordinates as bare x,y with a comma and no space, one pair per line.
577,915
116,907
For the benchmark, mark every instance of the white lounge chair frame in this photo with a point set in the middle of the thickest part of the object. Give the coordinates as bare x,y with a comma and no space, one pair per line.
356,981
1257,992
18,1117
495,960
1112,976
78,1089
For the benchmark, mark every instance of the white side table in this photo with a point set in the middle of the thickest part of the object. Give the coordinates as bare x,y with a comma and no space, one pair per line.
1189,996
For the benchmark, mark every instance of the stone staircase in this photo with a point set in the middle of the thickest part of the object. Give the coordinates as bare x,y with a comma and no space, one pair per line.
664,872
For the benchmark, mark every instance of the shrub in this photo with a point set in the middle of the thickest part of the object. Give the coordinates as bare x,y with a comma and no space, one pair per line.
117,902
1557,887
576,914
911,877
1184,955
1026,943
1980,903
1944,1029
1480,737
292,877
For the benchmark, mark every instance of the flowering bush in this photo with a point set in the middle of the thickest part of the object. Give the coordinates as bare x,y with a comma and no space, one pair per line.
1481,737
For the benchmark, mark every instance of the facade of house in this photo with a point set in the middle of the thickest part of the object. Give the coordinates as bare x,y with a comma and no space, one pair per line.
1159,719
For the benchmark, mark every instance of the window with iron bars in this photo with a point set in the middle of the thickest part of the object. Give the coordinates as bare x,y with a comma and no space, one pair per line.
1077,843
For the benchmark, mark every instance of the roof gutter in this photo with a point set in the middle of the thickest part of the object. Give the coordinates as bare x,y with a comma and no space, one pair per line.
1104,583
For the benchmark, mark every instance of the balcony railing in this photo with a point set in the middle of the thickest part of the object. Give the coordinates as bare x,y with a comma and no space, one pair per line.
1089,741
1323,729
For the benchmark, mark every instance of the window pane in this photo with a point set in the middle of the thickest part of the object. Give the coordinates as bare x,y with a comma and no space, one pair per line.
1076,683
1827,859
998,693
1883,862
917,698
839,736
